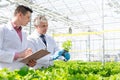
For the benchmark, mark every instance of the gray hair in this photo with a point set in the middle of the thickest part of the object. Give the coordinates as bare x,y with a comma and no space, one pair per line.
38,19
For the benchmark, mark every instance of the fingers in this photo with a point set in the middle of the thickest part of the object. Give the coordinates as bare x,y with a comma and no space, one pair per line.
31,63
24,53
27,52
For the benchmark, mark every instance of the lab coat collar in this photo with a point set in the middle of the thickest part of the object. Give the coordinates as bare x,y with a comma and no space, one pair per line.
37,34
10,26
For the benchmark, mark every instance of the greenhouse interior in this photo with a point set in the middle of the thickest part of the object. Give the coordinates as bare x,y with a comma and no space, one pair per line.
91,28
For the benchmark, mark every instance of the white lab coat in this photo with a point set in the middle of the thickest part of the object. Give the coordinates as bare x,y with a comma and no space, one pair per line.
10,43
36,43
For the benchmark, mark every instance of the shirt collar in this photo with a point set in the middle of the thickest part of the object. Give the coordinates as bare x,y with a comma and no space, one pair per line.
20,28
35,32
42,35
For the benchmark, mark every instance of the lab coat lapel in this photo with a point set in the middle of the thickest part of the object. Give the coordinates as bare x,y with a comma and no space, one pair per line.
35,33
24,39
13,30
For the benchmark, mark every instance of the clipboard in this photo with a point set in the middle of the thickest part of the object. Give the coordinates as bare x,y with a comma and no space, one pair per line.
35,56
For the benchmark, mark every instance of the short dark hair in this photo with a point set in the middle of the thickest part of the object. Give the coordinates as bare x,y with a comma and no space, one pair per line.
23,9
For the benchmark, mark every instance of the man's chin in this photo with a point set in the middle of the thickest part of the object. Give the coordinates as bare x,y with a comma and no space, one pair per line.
44,32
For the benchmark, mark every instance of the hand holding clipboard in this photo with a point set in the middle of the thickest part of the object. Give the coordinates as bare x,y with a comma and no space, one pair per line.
35,56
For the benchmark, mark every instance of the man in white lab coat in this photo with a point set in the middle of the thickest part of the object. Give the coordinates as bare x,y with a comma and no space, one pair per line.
40,40
13,40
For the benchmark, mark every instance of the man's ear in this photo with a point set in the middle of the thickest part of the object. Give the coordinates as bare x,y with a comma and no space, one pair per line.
20,14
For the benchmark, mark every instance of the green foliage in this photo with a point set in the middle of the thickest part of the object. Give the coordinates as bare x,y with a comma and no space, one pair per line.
71,70
67,45
23,71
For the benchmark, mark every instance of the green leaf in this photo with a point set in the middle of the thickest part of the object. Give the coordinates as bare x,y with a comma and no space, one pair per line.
23,70
67,45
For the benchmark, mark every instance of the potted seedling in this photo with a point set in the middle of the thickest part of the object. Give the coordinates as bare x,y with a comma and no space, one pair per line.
66,48
67,45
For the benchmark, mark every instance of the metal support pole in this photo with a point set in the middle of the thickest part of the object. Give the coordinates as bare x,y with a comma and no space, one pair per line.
89,44
103,39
